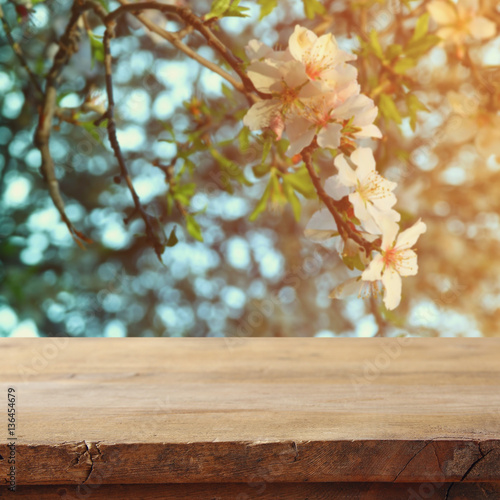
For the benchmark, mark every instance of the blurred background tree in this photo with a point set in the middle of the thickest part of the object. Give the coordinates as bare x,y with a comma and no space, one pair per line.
233,261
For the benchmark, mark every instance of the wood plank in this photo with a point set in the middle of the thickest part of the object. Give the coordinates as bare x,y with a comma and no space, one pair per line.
111,411
259,491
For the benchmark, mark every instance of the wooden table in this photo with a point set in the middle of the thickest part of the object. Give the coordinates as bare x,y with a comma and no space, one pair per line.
252,418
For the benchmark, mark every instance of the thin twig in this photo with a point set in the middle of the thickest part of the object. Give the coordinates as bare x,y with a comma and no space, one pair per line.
168,170
199,25
19,53
111,126
175,40
68,45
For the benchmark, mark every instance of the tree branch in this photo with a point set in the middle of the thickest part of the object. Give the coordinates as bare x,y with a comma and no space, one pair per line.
175,40
19,53
186,15
343,227
111,126
68,45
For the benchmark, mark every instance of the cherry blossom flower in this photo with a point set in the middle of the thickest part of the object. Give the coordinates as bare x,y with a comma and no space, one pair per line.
322,228
324,116
458,21
370,194
286,82
363,112
258,51
396,260
321,56
472,122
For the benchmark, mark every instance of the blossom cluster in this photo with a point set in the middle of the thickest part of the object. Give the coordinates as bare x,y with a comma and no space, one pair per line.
371,214
313,92
314,95
459,21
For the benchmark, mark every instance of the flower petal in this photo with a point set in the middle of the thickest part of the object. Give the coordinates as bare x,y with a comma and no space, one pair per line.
360,210
329,136
369,131
410,236
321,226
374,270
442,12
264,76
364,160
407,263
260,114
377,218
335,188
392,283
481,28
256,50
350,287
294,74
389,230
487,141
301,132
300,42
347,175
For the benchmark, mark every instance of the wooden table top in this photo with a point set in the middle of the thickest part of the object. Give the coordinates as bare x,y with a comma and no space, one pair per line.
133,411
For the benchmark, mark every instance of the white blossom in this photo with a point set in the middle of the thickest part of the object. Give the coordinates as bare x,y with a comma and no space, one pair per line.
396,260
460,20
473,122
370,194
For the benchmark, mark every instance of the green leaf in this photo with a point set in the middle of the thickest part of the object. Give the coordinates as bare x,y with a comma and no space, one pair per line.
266,148
226,8
313,7
172,238
389,109
244,139
261,205
421,28
418,48
261,170
96,49
277,195
403,65
91,129
230,171
184,193
266,7
292,198
353,262
193,228
218,8
393,51
414,105
301,182
236,10
375,44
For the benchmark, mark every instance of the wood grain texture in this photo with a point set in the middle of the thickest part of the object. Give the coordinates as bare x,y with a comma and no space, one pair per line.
134,411
262,491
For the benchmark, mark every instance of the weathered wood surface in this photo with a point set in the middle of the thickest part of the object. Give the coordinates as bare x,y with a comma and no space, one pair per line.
134,411
263,491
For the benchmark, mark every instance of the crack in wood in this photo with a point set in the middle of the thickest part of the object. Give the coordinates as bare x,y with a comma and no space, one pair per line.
87,451
411,459
469,470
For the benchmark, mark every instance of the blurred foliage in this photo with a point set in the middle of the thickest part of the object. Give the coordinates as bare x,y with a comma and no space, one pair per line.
231,206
